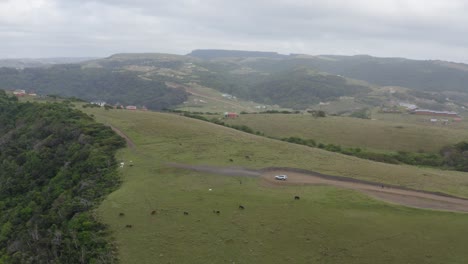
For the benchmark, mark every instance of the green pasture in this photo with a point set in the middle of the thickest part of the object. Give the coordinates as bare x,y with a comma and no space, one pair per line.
382,134
210,100
327,225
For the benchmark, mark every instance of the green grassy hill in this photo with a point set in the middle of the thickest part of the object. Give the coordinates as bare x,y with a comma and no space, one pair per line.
406,133
328,225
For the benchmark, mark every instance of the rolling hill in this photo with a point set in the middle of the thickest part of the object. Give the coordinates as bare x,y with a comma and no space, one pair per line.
327,224
291,81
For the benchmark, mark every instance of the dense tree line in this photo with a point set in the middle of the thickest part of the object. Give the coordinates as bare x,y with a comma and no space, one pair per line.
56,164
453,157
90,84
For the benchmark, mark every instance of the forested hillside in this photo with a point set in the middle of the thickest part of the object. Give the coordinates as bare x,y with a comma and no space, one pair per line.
106,84
297,88
56,164
418,74
293,81
426,75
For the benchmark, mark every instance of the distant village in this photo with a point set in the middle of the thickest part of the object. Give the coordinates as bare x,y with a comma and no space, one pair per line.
414,109
399,107
22,93
119,106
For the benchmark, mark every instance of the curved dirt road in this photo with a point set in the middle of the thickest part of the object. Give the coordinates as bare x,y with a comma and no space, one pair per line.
407,197
392,194
130,143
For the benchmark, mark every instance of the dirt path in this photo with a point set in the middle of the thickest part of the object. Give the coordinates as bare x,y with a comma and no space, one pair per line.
392,194
388,193
130,143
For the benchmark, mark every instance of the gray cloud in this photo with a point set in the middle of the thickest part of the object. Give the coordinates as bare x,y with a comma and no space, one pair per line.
431,29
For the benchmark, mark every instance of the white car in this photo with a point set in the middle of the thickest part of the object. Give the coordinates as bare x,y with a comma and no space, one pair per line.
281,177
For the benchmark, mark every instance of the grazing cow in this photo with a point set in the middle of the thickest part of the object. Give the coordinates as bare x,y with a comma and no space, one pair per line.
297,197
216,212
185,213
247,157
241,207
231,160
121,214
153,212
129,226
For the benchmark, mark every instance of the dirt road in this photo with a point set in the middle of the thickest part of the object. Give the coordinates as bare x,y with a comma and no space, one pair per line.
388,193
130,143
392,194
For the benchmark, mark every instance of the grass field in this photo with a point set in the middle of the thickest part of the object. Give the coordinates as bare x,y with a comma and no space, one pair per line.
414,134
204,99
328,225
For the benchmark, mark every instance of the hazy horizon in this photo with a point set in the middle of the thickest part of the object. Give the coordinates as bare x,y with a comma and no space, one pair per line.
413,29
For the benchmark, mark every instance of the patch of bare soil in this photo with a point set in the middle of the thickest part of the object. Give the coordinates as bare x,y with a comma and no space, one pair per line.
130,143
385,192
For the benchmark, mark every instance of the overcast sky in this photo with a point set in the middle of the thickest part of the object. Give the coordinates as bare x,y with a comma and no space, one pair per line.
421,29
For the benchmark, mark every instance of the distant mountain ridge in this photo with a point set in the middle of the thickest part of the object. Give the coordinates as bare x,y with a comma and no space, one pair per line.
208,54
294,81
41,62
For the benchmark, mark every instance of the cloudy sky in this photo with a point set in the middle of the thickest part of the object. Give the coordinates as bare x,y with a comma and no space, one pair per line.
421,29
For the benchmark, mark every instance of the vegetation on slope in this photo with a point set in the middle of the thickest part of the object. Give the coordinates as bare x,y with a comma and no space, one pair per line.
417,74
123,87
56,164
296,88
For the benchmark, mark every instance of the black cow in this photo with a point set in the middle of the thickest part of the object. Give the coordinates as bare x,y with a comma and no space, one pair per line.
129,226
241,207
297,197
185,213
121,214
153,212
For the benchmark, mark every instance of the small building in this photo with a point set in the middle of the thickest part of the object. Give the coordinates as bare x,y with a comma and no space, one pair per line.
100,103
230,115
131,107
408,106
19,92
435,113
